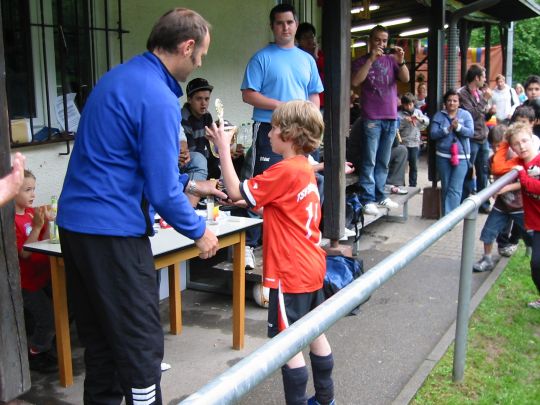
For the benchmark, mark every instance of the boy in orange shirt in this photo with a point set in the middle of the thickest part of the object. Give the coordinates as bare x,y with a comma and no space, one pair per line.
293,262
31,225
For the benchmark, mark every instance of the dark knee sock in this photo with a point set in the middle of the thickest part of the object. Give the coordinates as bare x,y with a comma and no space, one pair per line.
295,383
322,377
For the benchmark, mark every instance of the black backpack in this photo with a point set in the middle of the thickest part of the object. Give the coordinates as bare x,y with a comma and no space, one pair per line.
340,272
354,214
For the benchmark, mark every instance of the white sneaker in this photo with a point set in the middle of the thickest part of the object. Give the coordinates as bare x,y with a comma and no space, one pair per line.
388,203
250,258
371,209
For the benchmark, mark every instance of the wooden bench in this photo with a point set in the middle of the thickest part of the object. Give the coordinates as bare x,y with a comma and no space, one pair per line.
255,275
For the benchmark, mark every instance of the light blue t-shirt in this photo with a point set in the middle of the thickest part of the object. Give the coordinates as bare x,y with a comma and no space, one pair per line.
283,74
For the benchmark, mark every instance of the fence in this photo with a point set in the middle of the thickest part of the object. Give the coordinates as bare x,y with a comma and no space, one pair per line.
246,374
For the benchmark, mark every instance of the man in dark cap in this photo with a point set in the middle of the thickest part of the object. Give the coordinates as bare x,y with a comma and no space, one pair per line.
195,158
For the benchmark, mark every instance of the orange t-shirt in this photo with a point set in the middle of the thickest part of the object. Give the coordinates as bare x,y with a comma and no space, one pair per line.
292,255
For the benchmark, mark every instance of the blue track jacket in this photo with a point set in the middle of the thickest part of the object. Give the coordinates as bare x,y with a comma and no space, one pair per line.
125,157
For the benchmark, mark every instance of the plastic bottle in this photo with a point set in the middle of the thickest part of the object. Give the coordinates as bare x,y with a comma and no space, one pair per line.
53,227
248,138
244,134
454,154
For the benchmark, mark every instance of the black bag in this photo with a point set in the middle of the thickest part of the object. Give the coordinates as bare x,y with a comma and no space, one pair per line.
354,214
431,203
340,272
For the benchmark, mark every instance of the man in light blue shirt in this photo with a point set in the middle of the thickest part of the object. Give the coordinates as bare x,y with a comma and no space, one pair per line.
277,73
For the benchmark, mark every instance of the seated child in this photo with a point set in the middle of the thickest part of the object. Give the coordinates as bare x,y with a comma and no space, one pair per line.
31,225
287,191
411,122
520,138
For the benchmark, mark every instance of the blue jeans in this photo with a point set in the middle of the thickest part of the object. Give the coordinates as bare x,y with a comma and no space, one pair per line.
377,141
479,158
452,178
497,222
197,167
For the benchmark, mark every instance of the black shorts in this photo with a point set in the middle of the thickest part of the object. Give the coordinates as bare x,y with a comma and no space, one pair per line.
293,307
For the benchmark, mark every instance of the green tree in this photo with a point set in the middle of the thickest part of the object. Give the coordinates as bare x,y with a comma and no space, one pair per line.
526,58
526,49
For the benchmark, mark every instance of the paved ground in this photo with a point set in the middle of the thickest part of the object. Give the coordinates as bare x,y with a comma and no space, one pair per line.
377,352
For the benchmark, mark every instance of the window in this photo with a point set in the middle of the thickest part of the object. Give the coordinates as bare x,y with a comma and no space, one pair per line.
55,51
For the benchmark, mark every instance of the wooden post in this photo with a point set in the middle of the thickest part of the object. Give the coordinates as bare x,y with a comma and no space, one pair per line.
14,372
337,85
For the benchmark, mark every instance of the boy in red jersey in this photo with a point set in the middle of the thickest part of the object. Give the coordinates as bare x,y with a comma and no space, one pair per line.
519,138
294,264
31,225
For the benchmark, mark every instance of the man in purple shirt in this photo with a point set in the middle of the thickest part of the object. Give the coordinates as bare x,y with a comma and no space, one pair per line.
376,74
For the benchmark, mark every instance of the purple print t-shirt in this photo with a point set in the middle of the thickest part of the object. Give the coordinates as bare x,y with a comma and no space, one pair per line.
379,90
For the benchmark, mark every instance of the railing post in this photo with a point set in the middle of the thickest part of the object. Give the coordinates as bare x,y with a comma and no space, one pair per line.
464,298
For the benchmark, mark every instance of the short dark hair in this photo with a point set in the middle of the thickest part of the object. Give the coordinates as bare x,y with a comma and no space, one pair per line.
524,111
474,71
531,79
377,28
176,26
304,28
282,8
496,134
408,98
451,92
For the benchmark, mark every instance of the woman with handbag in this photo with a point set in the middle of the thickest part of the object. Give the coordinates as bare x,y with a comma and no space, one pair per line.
451,128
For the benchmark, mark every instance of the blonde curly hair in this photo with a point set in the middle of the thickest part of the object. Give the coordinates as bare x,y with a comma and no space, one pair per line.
301,123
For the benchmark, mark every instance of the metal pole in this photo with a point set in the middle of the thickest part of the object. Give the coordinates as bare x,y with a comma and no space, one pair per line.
230,386
462,322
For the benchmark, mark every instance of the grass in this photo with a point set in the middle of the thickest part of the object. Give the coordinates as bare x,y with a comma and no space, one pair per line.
503,350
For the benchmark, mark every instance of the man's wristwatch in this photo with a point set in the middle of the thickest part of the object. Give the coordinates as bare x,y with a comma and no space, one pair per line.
402,63
192,187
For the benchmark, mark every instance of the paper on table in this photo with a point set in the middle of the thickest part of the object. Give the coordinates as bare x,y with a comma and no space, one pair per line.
73,113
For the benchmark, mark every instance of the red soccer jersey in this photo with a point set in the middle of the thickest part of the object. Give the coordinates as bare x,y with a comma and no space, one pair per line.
292,254
35,271
530,190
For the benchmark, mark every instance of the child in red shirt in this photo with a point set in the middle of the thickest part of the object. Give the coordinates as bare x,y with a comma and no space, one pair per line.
527,162
294,264
31,225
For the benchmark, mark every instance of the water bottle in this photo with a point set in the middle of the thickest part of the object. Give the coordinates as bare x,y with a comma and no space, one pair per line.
53,227
454,154
248,137
245,134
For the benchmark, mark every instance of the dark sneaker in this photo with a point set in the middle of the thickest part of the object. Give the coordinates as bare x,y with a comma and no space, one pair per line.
534,304
508,250
484,264
43,362
313,401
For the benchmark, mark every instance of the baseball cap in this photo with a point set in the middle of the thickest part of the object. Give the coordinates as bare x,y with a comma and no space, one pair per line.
197,85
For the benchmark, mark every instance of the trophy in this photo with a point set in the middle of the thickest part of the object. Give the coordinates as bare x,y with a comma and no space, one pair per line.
219,112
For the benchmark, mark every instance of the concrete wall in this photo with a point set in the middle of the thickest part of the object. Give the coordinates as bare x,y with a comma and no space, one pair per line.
240,27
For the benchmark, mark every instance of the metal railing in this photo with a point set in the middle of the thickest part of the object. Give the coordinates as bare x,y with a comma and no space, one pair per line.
250,371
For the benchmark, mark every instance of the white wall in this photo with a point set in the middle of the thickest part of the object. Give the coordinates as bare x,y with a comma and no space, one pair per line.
240,27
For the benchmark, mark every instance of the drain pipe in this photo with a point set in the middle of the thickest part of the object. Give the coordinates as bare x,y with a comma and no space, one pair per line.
451,74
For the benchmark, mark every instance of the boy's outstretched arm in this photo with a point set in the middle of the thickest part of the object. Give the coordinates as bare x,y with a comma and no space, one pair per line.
501,165
222,140
530,184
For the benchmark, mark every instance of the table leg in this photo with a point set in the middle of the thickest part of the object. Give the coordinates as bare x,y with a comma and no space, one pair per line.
239,292
61,321
175,301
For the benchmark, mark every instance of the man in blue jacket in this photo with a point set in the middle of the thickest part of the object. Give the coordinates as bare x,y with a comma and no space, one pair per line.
123,166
